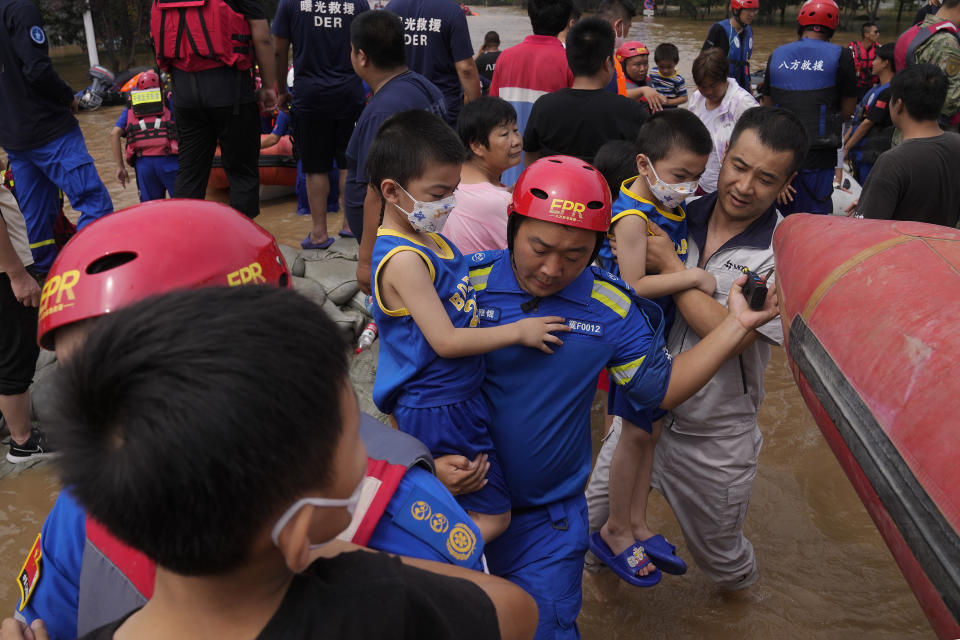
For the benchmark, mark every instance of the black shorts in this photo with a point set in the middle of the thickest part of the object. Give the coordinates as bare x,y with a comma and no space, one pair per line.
322,140
18,342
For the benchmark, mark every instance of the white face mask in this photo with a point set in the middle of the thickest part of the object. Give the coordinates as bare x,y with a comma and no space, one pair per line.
670,195
350,504
428,216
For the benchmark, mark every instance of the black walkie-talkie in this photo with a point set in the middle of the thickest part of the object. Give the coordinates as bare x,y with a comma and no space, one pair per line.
755,289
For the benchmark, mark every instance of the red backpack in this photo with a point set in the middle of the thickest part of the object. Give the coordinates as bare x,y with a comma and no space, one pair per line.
904,54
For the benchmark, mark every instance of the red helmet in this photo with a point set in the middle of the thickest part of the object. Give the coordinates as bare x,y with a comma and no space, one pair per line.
632,48
153,248
564,190
820,13
148,80
736,5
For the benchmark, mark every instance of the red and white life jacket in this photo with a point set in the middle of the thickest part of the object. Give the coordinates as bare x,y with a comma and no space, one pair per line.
195,35
150,128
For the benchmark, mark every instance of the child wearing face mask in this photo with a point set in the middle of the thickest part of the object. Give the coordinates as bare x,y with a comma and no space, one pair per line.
672,152
232,524
430,364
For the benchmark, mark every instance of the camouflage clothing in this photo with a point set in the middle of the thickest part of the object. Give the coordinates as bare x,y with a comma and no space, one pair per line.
942,50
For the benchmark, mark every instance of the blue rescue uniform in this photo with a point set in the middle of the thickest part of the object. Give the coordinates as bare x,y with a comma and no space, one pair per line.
810,77
674,223
541,420
434,399
40,135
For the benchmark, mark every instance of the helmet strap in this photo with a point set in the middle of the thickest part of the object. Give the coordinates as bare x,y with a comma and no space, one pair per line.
736,16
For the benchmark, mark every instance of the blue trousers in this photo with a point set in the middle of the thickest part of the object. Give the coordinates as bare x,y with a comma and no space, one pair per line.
542,551
814,192
40,173
156,176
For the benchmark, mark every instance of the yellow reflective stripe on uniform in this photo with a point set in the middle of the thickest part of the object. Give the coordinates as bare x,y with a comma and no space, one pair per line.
478,277
42,243
623,373
611,296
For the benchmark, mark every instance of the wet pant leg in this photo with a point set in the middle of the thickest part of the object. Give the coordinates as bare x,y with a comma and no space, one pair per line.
39,201
63,163
542,552
355,220
303,204
198,131
240,152
708,481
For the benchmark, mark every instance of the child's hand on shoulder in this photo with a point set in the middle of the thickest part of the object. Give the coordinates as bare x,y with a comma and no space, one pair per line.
538,332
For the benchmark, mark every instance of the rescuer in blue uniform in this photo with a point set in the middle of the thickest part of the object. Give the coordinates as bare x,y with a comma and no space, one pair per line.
817,81
88,578
40,135
540,403
735,37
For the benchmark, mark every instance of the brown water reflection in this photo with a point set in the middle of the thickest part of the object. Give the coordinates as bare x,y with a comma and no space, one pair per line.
825,572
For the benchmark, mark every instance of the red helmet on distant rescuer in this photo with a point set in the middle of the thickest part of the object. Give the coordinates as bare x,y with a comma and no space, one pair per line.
192,243
736,5
195,35
819,13
148,80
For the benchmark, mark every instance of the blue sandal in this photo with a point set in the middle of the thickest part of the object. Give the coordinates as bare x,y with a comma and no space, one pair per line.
627,563
664,555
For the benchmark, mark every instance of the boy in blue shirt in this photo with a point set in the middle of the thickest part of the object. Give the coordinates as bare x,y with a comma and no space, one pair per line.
673,145
664,77
430,366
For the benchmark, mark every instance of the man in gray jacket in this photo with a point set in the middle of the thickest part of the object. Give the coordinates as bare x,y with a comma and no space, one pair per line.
706,460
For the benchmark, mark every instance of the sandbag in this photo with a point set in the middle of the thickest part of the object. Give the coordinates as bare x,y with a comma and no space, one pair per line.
310,289
335,268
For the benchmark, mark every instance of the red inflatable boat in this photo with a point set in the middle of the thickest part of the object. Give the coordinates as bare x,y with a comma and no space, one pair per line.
277,166
870,311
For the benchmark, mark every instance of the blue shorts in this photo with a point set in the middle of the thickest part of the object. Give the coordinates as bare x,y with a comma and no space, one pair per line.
814,192
619,405
542,551
431,533
460,429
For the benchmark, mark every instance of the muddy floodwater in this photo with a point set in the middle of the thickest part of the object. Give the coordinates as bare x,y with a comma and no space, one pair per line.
825,571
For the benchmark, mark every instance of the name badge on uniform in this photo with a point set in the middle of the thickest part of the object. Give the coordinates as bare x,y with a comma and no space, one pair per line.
422,515
490,314
29,575
585,328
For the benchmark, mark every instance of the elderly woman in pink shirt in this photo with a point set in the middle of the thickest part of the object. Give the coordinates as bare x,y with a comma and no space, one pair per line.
488,128
718,102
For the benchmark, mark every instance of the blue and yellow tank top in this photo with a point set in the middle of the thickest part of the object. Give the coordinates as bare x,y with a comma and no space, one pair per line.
674,223
409,372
